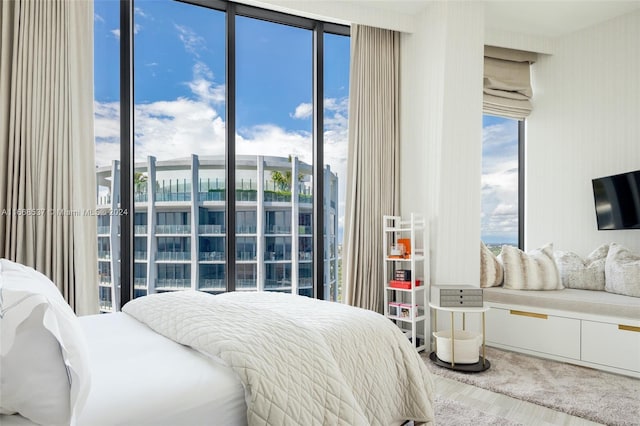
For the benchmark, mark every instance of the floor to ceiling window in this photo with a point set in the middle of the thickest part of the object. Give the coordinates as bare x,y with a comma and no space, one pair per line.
185,232
501,174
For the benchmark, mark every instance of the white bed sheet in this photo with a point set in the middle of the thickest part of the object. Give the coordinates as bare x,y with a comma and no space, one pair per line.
139,377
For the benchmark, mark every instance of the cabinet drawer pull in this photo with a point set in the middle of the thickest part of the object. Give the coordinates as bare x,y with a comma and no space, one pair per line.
528,314
628,328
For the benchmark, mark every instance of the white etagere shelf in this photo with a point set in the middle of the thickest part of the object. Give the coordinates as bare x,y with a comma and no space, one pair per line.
407,307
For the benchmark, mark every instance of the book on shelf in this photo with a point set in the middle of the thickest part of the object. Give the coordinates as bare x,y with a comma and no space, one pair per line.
406,285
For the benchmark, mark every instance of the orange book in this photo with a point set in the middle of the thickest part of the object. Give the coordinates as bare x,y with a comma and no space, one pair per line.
406,242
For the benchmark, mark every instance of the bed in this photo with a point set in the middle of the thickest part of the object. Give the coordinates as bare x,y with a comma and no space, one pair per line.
188,358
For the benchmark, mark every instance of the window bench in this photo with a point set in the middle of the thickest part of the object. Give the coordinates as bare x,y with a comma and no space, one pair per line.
590,328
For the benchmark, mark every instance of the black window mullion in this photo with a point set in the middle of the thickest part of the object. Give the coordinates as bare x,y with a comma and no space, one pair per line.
318,160
230,108
521,159
126,153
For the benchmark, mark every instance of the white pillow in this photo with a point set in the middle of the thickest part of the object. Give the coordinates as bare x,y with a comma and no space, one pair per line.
622,271
491,273
534,270
585,274
37,320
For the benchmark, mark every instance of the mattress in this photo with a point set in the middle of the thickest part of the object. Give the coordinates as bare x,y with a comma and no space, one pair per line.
140,377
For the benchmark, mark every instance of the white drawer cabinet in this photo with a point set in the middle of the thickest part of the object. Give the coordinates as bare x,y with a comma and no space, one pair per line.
534,331
601,343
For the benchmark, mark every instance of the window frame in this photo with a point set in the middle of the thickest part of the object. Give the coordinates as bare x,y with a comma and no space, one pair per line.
127,157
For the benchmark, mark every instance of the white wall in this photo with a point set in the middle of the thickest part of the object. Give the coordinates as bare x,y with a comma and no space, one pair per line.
441,134
585,124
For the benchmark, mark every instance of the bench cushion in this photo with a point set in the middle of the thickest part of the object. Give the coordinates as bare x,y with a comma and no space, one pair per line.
568,299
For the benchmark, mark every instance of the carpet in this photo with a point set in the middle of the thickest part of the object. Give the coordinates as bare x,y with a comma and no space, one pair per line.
583,392
449,412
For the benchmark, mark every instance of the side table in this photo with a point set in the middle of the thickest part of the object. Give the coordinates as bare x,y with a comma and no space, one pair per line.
483,363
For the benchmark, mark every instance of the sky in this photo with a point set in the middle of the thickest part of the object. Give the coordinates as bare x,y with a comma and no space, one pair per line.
179,96
179,86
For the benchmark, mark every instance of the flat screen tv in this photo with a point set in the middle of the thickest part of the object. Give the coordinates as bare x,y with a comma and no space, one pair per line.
617,201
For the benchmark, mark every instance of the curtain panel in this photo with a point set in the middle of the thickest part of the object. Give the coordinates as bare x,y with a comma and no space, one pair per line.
47,166
373,162
507,82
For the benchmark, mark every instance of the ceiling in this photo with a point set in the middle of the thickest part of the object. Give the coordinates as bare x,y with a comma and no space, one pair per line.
540,18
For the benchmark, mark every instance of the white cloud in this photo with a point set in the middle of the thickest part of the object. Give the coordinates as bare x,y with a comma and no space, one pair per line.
192,42
116,32
304,110
97,18
137,28
203,85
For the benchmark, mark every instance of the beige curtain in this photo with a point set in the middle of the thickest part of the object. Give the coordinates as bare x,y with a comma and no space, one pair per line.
373,162
507,82
47,164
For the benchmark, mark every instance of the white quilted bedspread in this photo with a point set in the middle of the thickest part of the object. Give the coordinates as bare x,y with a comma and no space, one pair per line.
302,361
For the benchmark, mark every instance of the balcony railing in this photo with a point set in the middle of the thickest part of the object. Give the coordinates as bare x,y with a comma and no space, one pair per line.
245,255
173,255
104,280
246,195
140,229
211,255
173,283
282,284
104,200
277,197
140,283
271,255
246,229
104,230
213,195
104,255
140,255
246,284
305,282
305,230
305,255
105,306
140,197
173,196
212,284
173,229
279,229
211,229
305,198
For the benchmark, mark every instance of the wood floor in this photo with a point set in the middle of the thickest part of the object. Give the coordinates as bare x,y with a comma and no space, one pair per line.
501,405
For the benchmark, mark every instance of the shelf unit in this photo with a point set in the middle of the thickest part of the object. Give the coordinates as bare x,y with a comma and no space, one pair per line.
407,308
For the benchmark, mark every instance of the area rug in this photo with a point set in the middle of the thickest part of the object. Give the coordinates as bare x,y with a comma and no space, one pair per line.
449,412
595,395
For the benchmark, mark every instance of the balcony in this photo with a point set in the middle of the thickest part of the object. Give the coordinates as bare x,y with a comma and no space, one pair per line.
173,196
213,195
245,255
104,255
276,256
281,285
305,255
104,230
176,256
305,230
105,306
246,229
104,200
279,229
305,282
140,229
173,283
216,284
173,229
246,284
140,197
247,195
104,280
211,229
209,256
140,255
305,198
277,197
140,283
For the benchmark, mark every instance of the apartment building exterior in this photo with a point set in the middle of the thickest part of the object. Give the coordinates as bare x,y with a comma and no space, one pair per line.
180,235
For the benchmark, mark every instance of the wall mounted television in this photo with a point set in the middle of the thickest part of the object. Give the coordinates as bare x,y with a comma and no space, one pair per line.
617,200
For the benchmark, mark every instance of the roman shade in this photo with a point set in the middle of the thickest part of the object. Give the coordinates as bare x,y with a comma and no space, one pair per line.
507,82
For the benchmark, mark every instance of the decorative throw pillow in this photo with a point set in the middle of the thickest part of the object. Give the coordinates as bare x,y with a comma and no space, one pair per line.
585,274
622,271
490,269
534,270
43,347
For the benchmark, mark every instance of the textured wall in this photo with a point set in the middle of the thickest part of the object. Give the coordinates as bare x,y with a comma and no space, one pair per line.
585,124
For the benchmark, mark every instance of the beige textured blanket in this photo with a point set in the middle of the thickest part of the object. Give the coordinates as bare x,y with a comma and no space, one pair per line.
302,361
